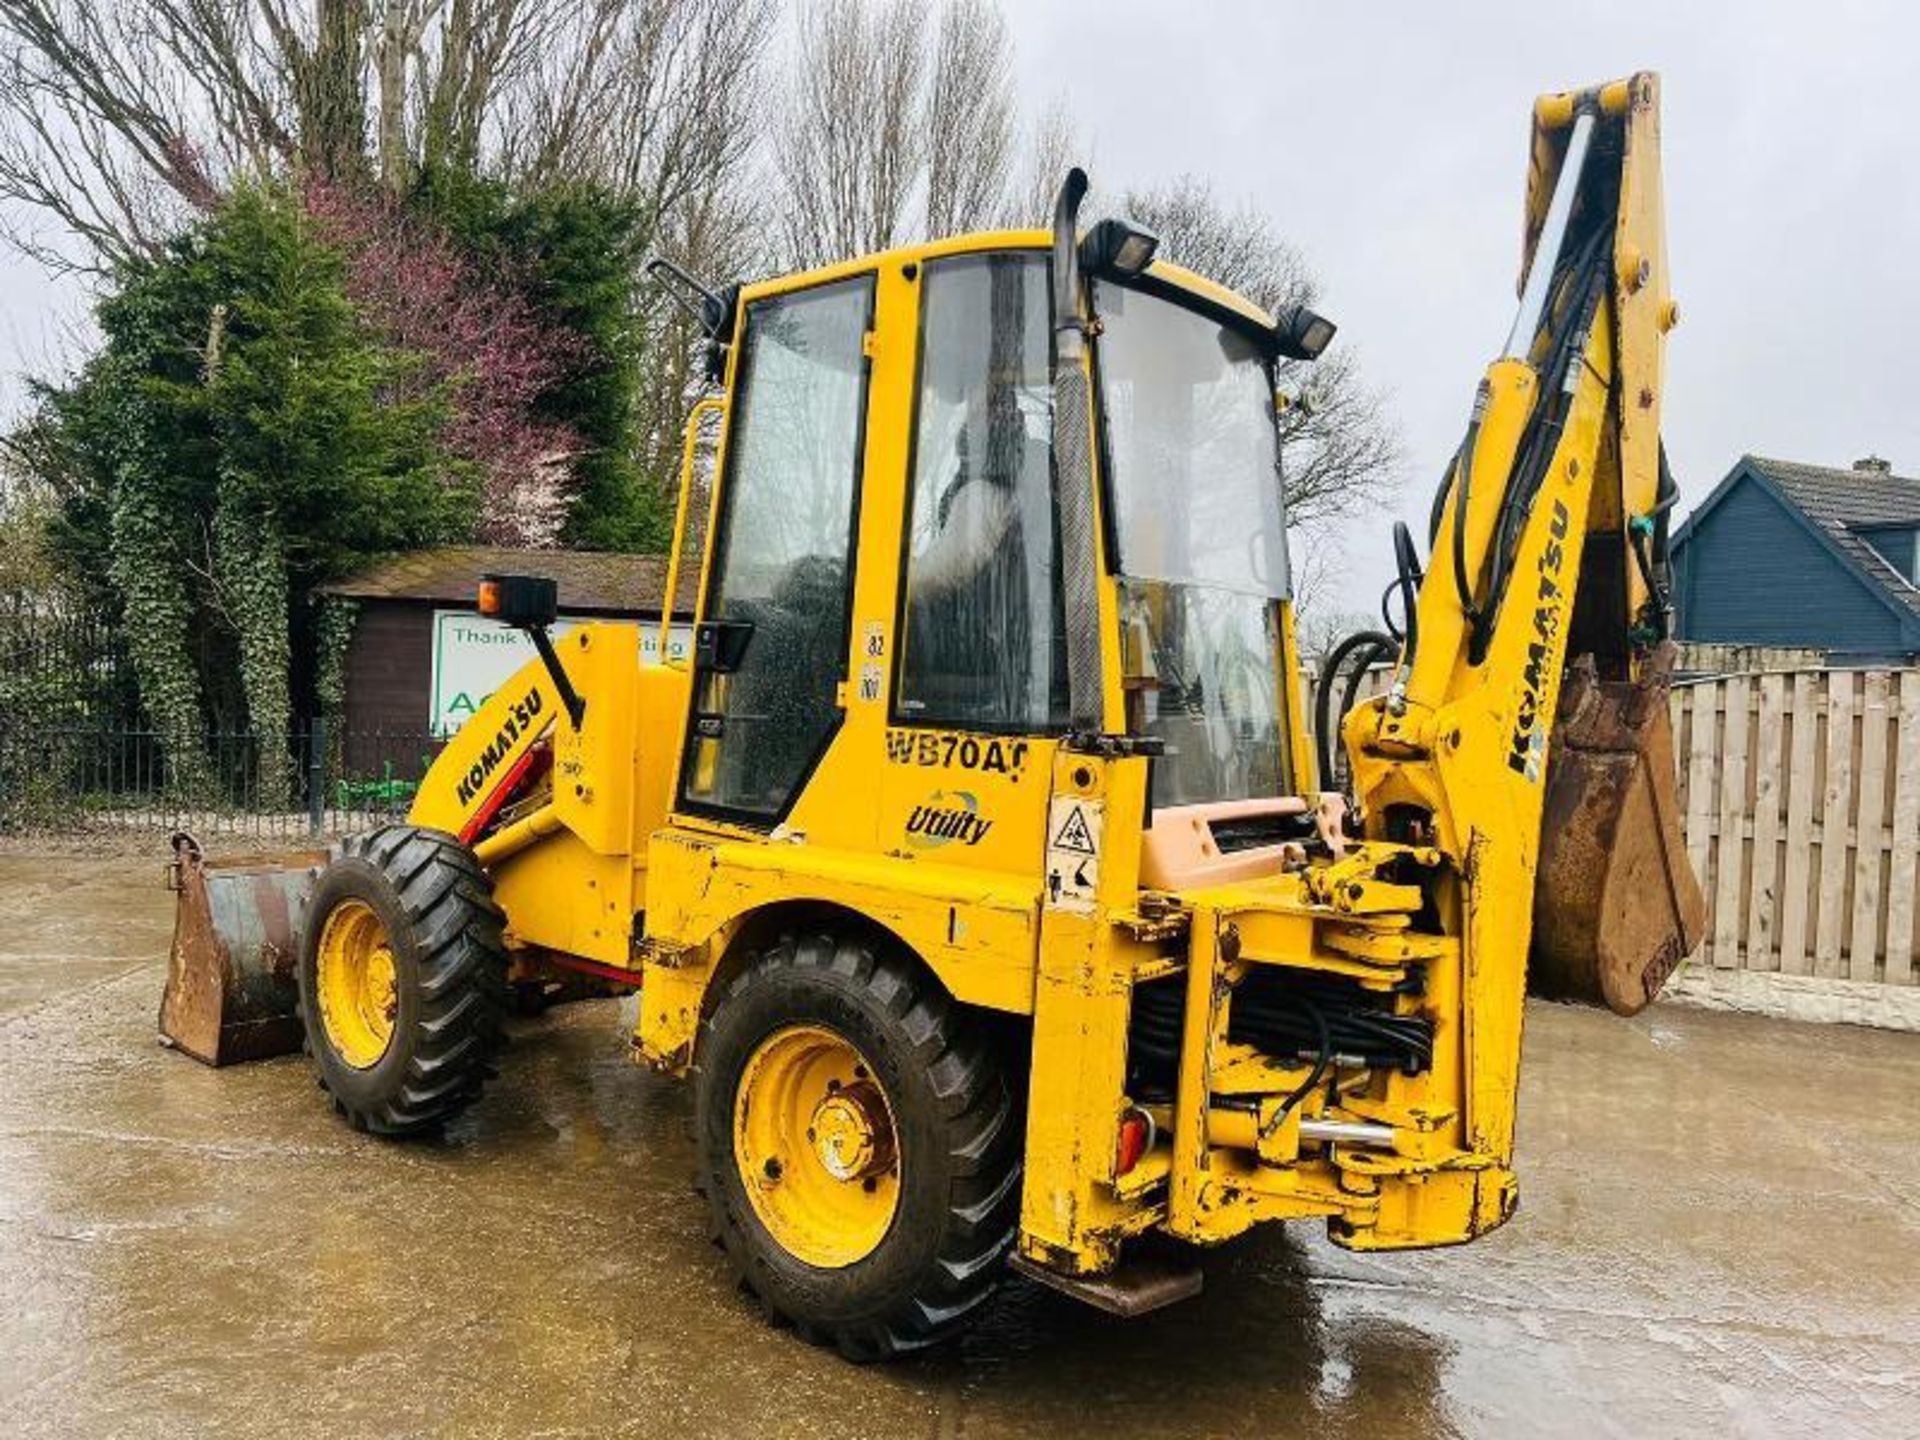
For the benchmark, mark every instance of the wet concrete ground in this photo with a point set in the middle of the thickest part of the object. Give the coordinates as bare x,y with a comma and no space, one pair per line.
1719,1233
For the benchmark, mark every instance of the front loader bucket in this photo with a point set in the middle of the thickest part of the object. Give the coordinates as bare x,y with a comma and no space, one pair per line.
1616,906
231,994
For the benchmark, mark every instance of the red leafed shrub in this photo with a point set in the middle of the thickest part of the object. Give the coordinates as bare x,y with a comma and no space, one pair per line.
482,345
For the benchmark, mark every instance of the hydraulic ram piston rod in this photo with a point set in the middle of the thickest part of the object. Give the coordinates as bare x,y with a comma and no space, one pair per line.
1347,1132
1553,234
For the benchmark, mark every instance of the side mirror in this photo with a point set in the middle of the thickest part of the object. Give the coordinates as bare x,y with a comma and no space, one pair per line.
716,318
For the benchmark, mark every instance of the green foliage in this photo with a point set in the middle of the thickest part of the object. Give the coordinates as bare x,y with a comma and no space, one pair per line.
334,619
575,251
307,432
251,427
237,439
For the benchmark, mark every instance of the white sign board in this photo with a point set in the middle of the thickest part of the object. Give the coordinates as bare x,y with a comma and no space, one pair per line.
473,656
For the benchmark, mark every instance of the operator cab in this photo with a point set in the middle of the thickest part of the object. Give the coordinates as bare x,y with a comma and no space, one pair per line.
1190,557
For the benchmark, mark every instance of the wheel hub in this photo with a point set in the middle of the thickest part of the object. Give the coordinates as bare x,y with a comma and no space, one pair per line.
358,984
816,1147
851,1133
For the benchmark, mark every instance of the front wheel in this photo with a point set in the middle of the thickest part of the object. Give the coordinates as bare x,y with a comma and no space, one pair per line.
860,1146
403,979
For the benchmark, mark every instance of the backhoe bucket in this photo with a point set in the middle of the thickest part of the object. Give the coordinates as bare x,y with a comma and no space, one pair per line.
231,993
1616,906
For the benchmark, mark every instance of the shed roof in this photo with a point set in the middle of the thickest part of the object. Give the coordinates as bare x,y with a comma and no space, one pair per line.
1839,505
589,580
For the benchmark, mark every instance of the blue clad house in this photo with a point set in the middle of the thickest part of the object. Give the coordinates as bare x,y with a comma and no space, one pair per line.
1804,556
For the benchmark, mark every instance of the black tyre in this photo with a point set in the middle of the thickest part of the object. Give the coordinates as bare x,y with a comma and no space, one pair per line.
860,1145
403,979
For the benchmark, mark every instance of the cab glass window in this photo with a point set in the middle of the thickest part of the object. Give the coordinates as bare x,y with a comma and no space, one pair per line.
982,629
1193,473
765,705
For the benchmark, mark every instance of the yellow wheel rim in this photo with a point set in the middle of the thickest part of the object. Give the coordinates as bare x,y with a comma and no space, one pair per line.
356,983
815,1143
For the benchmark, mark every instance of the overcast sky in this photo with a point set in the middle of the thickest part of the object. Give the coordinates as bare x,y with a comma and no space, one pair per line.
1389,142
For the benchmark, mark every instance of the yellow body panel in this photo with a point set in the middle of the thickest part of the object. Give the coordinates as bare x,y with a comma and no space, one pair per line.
945,839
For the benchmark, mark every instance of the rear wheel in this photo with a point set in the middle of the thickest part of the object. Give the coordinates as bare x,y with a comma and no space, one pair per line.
860,1145
403,979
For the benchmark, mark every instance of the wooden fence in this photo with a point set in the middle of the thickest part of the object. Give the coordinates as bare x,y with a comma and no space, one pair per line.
1801,796
1800,800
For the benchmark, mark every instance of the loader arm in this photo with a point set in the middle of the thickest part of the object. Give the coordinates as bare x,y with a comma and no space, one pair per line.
1548,548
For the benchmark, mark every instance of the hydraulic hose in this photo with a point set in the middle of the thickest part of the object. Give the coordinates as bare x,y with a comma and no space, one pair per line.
1463,489
1647,538
1376,643
1583,286
1323,1057
1441,491
1407,578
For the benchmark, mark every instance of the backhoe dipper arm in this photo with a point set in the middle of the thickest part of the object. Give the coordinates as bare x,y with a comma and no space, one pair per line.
1547,543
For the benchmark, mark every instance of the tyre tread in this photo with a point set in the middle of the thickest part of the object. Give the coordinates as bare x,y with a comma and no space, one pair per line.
458,931
977,1105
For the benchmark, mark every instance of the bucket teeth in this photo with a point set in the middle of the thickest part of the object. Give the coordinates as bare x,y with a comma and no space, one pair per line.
1616,905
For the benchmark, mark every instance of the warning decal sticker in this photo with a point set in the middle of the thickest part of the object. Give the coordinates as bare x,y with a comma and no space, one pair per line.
1073,852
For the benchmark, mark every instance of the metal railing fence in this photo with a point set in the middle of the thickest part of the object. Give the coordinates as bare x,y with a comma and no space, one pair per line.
75,779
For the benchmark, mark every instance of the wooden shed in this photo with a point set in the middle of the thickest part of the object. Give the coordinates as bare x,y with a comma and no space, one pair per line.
421,655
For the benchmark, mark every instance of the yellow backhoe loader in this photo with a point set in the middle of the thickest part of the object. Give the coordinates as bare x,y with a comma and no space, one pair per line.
978,866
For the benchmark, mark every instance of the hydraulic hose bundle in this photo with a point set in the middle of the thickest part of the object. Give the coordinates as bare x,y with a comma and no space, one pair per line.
1361,651
1290,1015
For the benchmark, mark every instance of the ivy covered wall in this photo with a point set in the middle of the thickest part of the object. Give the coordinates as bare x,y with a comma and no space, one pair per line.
304,380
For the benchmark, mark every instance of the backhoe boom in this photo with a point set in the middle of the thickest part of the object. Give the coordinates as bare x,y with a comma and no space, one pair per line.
1549,546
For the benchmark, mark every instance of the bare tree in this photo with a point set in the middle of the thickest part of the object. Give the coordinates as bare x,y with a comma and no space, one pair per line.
1319,575
656,99
115,115
899,123
848,149
1236,246
94,128
969,118
1052,147
653,98
1339,447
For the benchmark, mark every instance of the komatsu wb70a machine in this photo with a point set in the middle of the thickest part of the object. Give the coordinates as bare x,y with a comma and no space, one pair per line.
978,867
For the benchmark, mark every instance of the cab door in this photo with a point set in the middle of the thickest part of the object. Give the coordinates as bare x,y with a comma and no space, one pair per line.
979,694
770,653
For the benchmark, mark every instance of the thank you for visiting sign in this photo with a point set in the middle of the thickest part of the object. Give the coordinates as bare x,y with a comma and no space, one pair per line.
472,656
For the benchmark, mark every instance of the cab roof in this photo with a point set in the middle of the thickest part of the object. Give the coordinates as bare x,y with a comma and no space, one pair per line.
1167,273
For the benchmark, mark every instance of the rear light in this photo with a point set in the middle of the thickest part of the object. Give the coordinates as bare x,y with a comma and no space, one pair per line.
489,597
1136,1138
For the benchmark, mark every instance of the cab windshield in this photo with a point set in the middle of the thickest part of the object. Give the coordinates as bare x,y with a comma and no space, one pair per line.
1193,476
